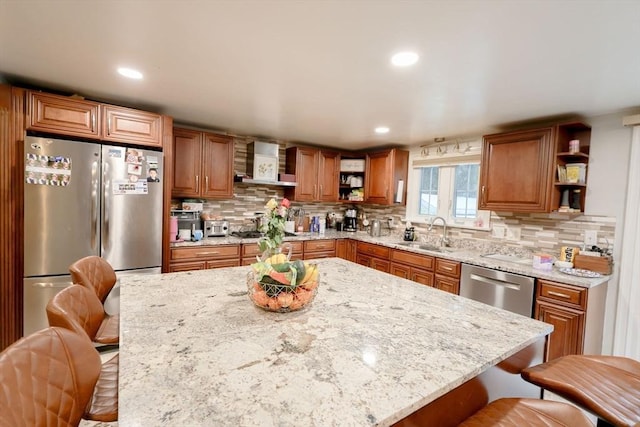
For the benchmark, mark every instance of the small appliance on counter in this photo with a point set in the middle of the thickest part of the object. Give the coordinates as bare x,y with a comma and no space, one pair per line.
216,228
350,220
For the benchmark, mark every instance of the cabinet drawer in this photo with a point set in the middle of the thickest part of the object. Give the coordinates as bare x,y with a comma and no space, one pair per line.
373,250
448,267
320,245
210,252
570,296
223,263
423,261
318,255
447,284
187,266
250,249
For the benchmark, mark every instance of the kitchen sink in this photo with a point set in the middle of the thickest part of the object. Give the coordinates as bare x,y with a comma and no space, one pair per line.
426,247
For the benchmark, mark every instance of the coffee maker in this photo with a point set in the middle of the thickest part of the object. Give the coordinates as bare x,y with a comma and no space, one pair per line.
350,220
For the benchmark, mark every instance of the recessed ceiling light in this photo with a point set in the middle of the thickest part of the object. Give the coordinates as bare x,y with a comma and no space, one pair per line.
382,129
404,59
130,73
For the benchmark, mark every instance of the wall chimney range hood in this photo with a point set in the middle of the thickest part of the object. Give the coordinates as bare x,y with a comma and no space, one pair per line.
263,161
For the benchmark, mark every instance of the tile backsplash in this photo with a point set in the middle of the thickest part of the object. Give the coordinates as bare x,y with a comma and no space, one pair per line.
537,232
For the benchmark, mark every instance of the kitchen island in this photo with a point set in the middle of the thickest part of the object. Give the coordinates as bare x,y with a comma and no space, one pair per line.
370,350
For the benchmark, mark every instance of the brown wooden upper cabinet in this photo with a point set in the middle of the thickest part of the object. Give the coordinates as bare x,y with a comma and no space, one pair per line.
519,168
202,164
77,117
63,115
317,174
384,171
122,124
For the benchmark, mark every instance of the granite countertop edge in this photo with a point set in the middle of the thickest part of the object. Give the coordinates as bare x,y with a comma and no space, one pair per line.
467,256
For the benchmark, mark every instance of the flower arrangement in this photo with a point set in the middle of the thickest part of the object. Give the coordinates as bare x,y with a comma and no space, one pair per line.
274,228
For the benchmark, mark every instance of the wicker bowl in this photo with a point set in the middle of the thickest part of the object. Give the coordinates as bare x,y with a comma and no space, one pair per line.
282,298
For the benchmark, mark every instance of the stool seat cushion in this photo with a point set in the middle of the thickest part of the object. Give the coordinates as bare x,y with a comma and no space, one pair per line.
514,412
103,405
608,386
109,330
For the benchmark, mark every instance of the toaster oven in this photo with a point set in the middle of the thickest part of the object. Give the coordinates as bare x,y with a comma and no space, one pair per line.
216,228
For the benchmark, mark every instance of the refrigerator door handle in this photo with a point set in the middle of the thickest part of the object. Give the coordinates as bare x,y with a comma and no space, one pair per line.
106,207
52,285
94,205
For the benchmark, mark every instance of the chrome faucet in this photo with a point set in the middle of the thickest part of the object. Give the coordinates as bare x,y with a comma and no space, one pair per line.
444,241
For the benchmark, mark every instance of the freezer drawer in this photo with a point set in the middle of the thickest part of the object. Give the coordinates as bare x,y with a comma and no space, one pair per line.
37,294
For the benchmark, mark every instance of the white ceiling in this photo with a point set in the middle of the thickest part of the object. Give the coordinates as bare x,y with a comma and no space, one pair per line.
318,71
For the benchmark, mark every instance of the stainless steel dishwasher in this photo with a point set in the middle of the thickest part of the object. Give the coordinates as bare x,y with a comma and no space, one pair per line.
508,291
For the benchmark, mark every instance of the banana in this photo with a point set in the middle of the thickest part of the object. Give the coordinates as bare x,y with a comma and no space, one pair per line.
310,269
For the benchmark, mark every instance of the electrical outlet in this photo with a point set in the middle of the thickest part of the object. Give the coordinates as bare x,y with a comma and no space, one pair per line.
390,222
590,237
498,232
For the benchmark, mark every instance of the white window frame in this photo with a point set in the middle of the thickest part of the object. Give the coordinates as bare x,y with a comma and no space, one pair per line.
446,178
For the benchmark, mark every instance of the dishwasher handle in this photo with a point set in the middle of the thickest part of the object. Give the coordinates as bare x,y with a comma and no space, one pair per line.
494,282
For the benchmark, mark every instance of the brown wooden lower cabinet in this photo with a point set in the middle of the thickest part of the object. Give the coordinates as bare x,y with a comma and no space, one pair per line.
412,266
563,306
447,275
315,249
204,257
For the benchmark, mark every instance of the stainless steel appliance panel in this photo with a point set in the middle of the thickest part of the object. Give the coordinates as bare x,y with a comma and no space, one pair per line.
131,222
511,292
37,293
61,222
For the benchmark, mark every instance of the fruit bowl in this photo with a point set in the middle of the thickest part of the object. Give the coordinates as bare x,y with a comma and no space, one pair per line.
282,286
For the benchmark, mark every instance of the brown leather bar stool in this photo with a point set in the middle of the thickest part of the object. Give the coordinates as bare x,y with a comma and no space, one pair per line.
103,405
78,308
94,273
513,412
47,378
607,386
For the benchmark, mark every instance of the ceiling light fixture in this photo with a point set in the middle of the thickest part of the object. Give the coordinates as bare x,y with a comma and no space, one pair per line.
130,73
404,59
382,129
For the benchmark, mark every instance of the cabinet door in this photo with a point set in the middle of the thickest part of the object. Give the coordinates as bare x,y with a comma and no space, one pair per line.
187,149
341,248
517,171
328,176
377,177
568,327
363,260
306,170
62,115
351,250
380,265
126,125
424,277
447,284
217,168
401,271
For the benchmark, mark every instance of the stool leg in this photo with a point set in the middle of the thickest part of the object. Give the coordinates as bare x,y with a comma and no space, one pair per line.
603,423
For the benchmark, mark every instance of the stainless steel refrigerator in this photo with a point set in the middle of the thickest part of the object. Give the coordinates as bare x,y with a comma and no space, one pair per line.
85,199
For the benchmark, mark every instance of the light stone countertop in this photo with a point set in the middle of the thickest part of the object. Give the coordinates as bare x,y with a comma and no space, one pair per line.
371,349
466,255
